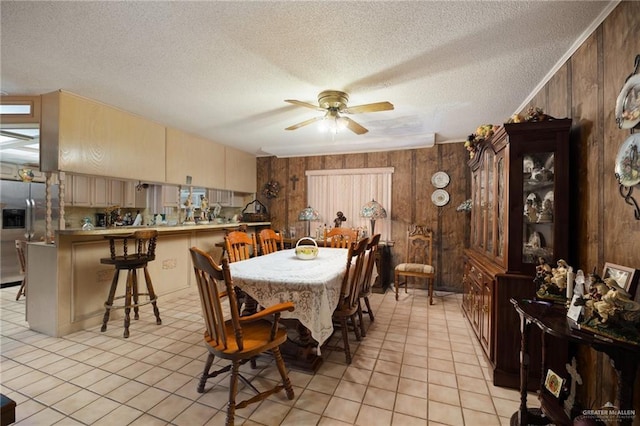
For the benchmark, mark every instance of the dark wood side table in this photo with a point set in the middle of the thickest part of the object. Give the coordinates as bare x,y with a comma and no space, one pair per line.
552,320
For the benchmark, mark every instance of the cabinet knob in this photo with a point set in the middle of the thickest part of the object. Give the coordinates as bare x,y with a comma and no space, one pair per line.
479,276
473,269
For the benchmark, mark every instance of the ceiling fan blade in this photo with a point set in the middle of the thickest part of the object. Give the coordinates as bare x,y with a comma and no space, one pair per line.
304,104
355,127
378,106
304,123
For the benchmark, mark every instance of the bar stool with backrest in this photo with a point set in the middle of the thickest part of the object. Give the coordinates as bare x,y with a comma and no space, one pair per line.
144,246
365,289
340,237
235,338
21,250
419,261
270,241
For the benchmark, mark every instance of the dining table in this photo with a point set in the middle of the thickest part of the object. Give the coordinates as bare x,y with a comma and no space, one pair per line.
312,285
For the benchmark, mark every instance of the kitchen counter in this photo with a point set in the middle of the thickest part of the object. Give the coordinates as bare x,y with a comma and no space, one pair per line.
68,285
161,229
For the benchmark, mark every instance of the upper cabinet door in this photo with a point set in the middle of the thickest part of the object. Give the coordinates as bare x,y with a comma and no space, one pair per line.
190,155
240,170
83,136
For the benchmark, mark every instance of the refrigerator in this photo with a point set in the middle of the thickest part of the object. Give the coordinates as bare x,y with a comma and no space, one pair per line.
23,218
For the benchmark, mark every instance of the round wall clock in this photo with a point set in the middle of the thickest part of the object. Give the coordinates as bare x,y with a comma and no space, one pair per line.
440,179
440,197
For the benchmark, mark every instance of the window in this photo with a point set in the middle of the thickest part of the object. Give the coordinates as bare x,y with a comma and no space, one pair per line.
347,190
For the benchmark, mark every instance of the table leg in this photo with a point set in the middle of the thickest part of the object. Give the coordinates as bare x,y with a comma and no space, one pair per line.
525,416
299,351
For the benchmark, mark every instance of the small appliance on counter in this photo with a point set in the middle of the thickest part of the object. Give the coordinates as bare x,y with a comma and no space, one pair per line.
101,220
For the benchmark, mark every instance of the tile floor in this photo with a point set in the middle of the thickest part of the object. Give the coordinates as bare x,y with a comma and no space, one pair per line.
418,365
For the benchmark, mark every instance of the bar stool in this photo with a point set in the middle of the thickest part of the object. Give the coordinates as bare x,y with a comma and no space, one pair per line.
145,246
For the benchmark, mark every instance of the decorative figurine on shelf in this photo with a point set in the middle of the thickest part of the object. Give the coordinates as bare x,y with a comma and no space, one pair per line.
531,207
337,222
552,282
545,215
608,304
188,204
204,210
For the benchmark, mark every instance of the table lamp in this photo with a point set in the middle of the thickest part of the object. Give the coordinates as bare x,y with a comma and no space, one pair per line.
373,210
307,215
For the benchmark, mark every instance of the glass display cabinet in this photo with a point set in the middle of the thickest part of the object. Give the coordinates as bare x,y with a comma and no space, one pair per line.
519,216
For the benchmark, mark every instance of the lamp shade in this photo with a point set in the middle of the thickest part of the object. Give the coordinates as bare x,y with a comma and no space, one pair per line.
373,210
308,214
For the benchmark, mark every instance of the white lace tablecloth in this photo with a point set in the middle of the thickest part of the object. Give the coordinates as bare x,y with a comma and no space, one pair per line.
312,285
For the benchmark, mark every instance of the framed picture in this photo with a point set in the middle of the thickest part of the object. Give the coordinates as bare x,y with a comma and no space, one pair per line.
626,277
553,383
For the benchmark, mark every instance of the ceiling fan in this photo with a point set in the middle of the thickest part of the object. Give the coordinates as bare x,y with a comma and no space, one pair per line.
334,103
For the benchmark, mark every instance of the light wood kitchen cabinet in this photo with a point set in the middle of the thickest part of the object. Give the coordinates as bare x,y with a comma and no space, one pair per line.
80,191
221,196
190,155
240,170
170,196
100,196
79,135
134,198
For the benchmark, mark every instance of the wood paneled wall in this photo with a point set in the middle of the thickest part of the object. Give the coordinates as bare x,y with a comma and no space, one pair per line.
411,192
604,229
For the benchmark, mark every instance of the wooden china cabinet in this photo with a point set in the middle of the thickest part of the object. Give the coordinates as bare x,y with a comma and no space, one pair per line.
520,213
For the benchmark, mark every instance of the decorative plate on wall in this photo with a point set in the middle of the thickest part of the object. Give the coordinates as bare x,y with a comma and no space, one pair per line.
440,179
628,104
440,197
628,161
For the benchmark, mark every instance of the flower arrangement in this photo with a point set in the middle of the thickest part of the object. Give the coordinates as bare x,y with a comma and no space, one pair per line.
482,132
465,206
271,189
485,131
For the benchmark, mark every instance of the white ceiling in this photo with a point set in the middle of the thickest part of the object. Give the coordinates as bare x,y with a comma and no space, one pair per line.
222,70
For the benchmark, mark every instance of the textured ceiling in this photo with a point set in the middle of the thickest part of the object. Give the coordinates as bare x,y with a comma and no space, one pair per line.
222,70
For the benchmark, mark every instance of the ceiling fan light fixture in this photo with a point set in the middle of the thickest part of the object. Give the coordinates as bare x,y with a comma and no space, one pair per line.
332,122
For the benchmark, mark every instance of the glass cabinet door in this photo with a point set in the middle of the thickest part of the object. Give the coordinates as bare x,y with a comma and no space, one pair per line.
500,205
488,164
538,201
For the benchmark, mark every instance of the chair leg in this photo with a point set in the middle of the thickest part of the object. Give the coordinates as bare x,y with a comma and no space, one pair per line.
363,332
369,310
205,373
430,291
127,302
134,275
233,389
345,339
283,372
21,291
356,327
152,295
109,303
396,280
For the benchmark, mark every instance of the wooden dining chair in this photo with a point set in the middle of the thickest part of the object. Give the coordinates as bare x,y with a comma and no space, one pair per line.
419,261
349,294
240,245
21,250
340,237
237,339
365,288
270,241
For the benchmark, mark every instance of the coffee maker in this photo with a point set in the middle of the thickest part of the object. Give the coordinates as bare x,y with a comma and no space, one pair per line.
101,220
